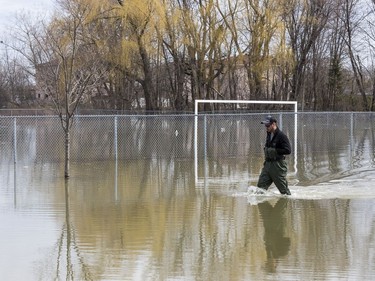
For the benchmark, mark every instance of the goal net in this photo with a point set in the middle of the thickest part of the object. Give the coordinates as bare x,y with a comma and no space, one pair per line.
226,129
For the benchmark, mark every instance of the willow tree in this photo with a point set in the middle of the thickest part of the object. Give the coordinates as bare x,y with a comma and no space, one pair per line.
64,57
138,44
262,22
253,25
174,53
203,31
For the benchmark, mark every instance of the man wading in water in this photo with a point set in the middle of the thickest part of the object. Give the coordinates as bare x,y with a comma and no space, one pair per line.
275,167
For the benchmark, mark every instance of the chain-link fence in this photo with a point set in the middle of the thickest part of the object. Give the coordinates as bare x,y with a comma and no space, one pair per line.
332,140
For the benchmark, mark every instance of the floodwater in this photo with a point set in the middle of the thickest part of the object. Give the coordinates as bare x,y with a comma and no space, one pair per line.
117,221
160,215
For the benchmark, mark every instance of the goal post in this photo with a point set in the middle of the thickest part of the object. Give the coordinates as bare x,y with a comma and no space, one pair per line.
196,113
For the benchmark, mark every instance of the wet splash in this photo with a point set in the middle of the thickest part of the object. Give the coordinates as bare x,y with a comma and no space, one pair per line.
355,186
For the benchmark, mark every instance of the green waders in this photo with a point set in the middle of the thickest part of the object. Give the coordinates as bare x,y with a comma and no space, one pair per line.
274,172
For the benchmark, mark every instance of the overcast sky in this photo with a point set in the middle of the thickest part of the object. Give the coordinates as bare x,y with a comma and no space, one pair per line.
9,9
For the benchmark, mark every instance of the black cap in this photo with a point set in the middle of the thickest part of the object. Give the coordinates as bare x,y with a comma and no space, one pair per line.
269,120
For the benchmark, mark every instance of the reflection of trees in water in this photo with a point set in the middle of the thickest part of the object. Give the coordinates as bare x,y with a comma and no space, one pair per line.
232,136
330,145
156,137
67,244
324,232
176,228
372,144
359,153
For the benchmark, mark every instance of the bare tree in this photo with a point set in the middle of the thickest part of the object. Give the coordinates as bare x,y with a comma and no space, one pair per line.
304,22
369,31
352,19
66,66
15,83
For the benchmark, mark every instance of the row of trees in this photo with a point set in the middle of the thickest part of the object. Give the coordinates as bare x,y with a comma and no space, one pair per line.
165,54
15,84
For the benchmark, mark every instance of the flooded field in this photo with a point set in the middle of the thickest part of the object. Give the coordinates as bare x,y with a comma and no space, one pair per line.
155,219
140,227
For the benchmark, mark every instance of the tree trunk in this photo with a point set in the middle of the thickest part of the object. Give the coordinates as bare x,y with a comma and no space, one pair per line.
149,94
179,102
373,94
67,152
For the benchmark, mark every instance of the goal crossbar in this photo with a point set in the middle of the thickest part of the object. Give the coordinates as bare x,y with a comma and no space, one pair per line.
197,102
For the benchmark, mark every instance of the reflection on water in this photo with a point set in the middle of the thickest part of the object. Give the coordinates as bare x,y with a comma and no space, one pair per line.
274,221
144,220
70,262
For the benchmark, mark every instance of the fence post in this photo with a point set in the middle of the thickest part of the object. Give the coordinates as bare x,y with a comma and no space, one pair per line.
351,145
15,160
15,140
205,147
115,137
116,157
196,145
205,136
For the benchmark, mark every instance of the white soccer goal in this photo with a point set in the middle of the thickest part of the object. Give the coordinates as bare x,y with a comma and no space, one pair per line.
196,112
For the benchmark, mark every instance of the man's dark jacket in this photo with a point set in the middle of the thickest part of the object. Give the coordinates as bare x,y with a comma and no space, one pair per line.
280,142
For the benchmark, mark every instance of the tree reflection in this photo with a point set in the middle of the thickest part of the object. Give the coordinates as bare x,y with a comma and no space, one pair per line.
274,221
67,244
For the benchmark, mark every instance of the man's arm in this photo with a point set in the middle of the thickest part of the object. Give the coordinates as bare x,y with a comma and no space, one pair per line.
285,147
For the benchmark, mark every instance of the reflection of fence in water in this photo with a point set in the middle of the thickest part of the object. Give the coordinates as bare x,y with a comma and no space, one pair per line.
326,141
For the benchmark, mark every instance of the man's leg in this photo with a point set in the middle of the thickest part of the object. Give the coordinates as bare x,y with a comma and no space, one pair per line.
265,179
278,175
